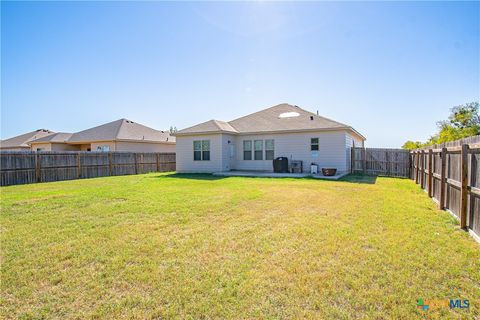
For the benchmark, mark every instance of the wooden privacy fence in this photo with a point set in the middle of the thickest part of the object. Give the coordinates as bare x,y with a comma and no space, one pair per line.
377,161
31,167
450,174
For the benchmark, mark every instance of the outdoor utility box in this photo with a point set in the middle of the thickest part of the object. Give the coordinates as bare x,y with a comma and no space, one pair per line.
314,169
280,164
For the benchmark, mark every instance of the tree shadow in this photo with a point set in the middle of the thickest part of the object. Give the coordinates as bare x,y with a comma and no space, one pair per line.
359,178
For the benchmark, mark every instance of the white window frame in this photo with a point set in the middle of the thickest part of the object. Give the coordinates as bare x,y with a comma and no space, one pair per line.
204,147
255,151
272,149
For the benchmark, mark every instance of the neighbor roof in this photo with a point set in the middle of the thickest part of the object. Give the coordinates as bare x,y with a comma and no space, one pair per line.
58,137
21,141
280,118
122,129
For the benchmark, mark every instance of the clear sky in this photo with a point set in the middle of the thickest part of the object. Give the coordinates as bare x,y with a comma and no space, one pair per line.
390,70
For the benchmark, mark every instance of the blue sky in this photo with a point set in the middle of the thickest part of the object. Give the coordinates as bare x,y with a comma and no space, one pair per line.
391,70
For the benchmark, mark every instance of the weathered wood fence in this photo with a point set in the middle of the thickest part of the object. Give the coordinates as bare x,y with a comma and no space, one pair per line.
377,161
31,167
450,174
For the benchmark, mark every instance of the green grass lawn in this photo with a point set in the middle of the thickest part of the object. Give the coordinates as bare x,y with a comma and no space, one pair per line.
179,246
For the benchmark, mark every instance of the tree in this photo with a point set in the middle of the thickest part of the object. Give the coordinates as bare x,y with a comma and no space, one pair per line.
464,121
173,129
410,145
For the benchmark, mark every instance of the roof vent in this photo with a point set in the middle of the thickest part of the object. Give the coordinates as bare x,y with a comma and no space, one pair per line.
311,117
289,114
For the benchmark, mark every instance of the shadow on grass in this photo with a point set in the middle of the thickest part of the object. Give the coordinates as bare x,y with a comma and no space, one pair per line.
359,178
193,176
353,178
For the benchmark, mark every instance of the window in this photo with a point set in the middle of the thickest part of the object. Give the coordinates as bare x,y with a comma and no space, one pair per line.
269,149
103,148
247,150
258,148
314,144
40,149
201,150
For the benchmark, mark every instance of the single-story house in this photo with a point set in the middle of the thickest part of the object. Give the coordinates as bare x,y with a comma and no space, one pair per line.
20,143
250,143
120,135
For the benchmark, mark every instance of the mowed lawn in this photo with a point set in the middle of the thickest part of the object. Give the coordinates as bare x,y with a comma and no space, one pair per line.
195,246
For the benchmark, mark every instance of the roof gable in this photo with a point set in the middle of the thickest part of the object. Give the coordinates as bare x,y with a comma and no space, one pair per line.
58,137
122,129
211,126
23,139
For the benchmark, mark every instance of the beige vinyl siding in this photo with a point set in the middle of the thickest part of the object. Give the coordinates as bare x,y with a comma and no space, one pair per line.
184,154
144,147
296,146
47,146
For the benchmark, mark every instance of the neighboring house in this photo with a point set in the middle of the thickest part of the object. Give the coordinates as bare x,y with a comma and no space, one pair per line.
53,142
20,143
252,142
120,135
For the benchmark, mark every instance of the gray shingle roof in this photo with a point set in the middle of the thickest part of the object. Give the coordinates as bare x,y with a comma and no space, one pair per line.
22,140
122,129
280,118
210,126
56,137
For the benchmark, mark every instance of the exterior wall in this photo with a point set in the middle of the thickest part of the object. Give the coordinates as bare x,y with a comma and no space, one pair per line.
95,145
296,146
184,154
55,147
144,147
44,146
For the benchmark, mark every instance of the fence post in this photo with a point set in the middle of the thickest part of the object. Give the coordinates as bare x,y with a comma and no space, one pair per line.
364,154
430,172
417,162
422,177
110,163
136,163
158,162
38,175
464,190
443,156
79,169
387,163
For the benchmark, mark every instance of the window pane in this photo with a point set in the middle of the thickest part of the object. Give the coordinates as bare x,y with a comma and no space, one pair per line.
247,145
206,155
269,145
197,155
269,155
197,145
314,147
258,145
259,155
314,141
247,155
206,145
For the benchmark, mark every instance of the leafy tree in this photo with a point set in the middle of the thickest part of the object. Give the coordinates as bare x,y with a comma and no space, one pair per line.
173,129
410,145
464,121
